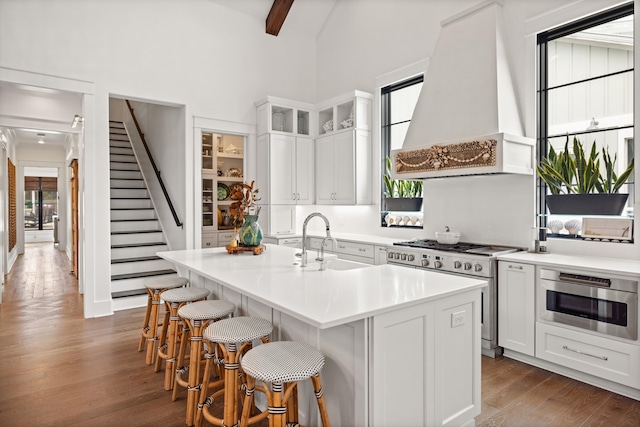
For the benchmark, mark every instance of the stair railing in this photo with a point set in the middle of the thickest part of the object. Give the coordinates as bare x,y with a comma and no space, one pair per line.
155,168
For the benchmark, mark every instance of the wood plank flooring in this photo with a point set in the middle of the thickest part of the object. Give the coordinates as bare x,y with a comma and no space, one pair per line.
61,369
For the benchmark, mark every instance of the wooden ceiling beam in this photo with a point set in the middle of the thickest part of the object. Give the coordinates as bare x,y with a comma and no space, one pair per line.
277,15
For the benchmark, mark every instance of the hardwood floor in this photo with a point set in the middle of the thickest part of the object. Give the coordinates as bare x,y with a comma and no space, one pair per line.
61,369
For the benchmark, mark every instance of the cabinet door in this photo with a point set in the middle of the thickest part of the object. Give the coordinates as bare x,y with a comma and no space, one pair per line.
304,171
344,176
325,170
282,149
516,307
282,219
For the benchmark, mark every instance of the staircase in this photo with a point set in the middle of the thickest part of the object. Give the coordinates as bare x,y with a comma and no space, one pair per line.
136,234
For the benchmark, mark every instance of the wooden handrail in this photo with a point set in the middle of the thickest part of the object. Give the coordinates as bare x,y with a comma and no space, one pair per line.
155,168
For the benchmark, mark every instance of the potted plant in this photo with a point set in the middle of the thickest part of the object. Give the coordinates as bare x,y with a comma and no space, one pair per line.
401,194
577,184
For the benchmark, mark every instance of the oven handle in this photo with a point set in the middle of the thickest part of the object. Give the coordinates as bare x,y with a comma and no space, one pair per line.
585,280
564,347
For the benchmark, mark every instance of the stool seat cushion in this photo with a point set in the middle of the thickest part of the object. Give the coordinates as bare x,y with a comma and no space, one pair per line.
184,294
282,362
166,282
206,310
238,330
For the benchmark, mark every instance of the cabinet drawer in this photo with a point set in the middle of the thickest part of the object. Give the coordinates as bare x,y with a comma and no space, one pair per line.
358,249
606,358
209,241
225,237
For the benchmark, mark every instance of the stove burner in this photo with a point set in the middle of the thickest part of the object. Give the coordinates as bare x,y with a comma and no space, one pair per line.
433,244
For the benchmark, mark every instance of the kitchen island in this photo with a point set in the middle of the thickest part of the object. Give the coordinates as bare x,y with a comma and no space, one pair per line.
402,346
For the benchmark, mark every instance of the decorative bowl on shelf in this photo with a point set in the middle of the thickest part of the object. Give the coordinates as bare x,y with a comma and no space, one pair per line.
328,126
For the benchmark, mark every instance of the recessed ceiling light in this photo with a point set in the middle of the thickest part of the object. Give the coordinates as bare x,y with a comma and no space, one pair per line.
41,138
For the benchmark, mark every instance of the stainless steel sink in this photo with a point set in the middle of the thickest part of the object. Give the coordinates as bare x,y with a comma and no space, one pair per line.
336,265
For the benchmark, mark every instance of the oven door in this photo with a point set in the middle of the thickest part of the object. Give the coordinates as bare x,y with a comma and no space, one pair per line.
607,311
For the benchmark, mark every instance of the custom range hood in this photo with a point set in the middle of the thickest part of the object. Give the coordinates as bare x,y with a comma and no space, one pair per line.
466,120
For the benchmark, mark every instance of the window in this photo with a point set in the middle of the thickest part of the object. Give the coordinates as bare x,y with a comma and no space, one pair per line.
585,94
397,104
40,202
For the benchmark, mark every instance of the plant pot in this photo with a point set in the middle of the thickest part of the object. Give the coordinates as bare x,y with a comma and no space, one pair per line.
250,232
404,204
587,204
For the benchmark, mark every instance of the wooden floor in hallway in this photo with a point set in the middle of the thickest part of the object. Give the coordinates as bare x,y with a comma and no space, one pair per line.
61,369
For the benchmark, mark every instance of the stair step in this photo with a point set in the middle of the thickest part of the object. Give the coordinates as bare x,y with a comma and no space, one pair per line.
124,174
144,213
120,303
136,238
131,193
134,224
128,166
127,183
121,150
122,158
127,202
145,264
137,259
119,143
133,251
141,274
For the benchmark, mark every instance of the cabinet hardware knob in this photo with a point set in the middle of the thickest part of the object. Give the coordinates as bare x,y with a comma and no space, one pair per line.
564,347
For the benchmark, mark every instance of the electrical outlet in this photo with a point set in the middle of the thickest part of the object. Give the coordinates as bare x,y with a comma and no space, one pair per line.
457,318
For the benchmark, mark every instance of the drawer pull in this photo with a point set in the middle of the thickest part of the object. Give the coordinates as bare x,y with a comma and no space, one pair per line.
564,347
362,250
519,267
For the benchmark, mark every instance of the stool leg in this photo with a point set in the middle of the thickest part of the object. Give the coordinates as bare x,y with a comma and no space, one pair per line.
317,388
181,366
169,373
194,384
152,333
277,412
247,404
162,341
231,386
145,324
292,403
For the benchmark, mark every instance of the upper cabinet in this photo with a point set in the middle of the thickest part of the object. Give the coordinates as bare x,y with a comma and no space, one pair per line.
348,111
343,150
286,116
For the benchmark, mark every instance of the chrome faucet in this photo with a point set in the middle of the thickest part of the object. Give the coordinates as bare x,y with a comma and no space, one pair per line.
303,255
323,262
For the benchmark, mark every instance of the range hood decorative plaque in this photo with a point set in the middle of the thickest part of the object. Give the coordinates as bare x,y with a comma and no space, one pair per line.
452,156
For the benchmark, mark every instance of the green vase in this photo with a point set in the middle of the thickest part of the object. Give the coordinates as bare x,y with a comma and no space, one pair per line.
250,232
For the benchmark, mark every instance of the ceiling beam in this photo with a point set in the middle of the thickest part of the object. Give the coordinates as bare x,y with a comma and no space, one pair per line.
277,15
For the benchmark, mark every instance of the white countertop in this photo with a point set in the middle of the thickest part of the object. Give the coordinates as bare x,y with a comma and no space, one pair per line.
322,299
607,265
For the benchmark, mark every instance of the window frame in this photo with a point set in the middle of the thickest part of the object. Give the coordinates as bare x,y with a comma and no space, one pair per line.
542,130
385,127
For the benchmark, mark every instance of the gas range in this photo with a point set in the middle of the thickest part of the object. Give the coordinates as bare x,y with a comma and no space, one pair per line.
462,258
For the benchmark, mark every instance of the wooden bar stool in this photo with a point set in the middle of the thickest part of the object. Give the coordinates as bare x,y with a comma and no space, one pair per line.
282,364
197,316
232,338
155,287
174,299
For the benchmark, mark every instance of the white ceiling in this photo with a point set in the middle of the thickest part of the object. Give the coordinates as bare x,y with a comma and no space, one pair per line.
305,16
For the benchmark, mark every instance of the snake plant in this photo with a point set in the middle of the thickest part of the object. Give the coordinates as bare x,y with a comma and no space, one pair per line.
400,187
566,172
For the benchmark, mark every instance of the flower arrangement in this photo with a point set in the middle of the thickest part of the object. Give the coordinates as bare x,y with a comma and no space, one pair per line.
246,197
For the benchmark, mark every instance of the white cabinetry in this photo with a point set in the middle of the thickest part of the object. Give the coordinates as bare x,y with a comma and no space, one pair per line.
286,166
602,357
516,307
343,150
343,169
351,251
